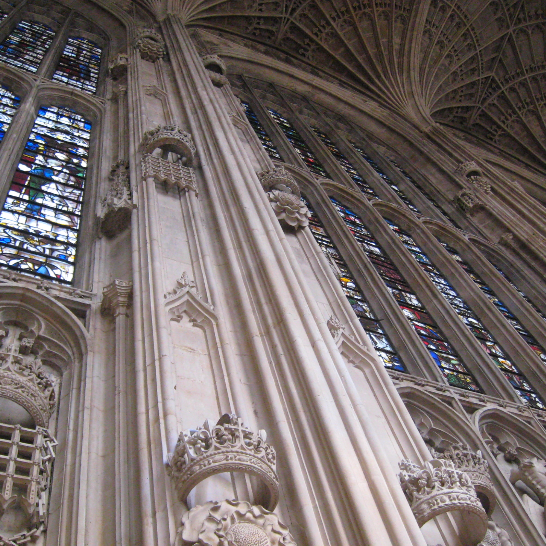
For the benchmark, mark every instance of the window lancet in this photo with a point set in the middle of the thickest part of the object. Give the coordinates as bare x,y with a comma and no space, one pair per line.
371,325
79,65
26,46
9,103
261,133
484,337
299,145
404,198
441,351
40,219
516,324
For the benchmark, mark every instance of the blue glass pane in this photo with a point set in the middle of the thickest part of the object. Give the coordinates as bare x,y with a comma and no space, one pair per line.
299,145
40,219
440,349
345,164
371,325
79,65
484,337
8,106
267,143
26,46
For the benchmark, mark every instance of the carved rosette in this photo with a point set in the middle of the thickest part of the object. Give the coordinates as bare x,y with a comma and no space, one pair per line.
285,197
216,69
168,173
117,67
228,446
438,487
117,204
150,45
170,138
233,523
23,379
477,469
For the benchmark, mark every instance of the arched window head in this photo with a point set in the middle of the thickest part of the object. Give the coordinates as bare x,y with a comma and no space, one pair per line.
79,65
9,103
26,46
40,219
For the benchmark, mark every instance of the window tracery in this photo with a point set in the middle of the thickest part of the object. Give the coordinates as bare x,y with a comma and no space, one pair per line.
79,65
261,133
26,45
40,218
9,103
518,381
299,144
354,294
441,351
514,322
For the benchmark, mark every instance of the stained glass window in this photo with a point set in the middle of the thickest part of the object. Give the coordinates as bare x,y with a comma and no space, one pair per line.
41,215
520,329
3,14
371,325
486,340
267,143
26,46
386,178
8,106
79,65
299,145
346,165
441,351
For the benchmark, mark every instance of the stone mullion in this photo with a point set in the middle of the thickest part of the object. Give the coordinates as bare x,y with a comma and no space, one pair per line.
229,168
274,132
440,310
400,332
507,338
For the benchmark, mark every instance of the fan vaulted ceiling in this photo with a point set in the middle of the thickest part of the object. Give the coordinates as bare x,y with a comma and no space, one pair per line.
475,65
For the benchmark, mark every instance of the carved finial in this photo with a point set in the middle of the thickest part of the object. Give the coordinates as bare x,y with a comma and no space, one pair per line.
182,283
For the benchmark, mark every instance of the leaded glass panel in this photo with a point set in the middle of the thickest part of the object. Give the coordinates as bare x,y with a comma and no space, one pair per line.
266,142
26,46
345,164
299,145
40,219
404,198
369,322
484,337
441,351
8,106
79,65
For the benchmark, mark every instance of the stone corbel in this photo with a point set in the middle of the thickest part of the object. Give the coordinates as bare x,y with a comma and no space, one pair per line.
285,197
117,67
116,298
150,45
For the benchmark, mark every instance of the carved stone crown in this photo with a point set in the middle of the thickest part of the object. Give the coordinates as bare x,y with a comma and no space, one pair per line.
477,469
211,61
228,446
279,179
22,377
438,487
469,168
172,139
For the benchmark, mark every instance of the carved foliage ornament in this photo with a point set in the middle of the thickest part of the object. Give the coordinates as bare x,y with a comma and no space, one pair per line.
228,446
284,197
169,173
438,487
22,377
150,45
117,205
233,523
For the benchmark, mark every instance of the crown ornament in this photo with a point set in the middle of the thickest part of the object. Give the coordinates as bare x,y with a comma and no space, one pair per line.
170,138
227,446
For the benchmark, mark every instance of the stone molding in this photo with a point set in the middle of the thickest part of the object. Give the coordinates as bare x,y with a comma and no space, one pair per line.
285,197
168,173
233,523
438,487
150,45
29,468
22,377
116,298
170,138
117,67
228,446
117,205
477,469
